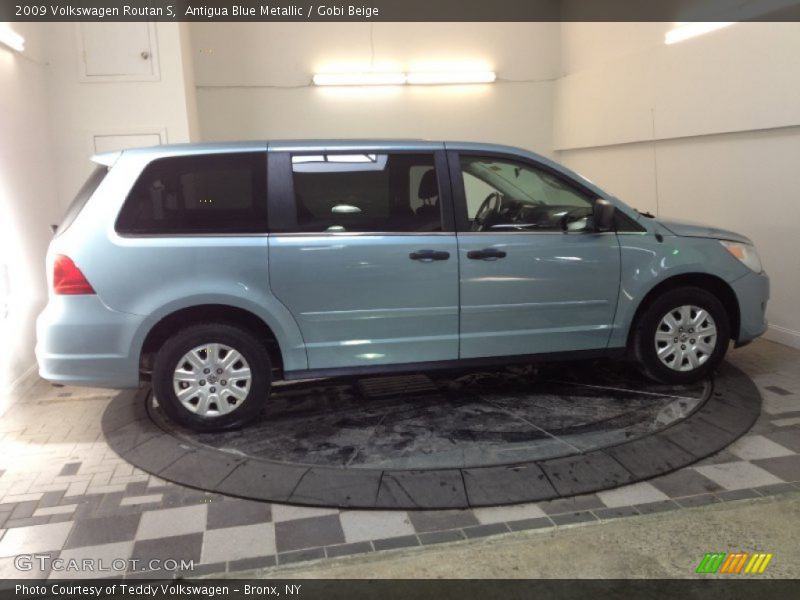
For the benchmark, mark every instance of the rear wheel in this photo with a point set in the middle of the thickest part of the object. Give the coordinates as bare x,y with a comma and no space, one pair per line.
212,376
682,336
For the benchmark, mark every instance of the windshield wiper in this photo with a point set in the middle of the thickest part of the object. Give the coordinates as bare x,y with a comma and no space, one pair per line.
645,213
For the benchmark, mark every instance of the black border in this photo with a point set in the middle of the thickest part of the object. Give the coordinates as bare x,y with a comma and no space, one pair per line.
420,10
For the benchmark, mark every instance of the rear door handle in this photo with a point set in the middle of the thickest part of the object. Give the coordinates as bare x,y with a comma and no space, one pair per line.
486,254
429,255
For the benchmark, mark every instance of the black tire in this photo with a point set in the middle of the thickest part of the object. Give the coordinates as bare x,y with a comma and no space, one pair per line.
251,350
644,339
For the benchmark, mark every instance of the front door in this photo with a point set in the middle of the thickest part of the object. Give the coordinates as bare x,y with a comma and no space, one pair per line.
533,278
366,258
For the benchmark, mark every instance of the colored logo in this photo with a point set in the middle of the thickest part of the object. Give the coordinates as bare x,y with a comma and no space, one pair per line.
734,564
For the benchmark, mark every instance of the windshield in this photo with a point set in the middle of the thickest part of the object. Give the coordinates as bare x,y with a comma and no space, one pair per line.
83,195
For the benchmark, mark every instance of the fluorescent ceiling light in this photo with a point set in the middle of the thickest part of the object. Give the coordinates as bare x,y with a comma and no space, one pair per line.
412,78
452,77
686,31
365,78
12,39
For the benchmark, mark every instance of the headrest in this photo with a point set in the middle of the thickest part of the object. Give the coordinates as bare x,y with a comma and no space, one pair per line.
428,186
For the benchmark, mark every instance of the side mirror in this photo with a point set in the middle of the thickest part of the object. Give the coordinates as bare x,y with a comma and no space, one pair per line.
603,215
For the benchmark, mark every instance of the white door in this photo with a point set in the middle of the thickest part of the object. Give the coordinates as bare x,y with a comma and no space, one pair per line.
113,51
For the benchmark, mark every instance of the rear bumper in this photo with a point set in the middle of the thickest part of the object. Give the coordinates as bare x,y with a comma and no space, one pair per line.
752,292
80,341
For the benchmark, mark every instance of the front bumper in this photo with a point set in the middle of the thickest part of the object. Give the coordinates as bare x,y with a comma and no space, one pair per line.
80,341
752,293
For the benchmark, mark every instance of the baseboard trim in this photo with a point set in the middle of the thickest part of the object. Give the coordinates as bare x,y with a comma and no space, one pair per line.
783,335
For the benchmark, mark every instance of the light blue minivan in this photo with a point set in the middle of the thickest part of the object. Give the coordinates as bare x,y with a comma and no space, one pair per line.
213,270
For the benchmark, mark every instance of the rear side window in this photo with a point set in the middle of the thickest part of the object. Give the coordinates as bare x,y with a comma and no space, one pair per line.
82,197
366,193
206,194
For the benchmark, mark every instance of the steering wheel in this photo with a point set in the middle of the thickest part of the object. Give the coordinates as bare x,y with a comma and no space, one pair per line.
491,204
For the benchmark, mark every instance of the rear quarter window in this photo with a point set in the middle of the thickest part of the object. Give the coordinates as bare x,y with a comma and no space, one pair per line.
205,194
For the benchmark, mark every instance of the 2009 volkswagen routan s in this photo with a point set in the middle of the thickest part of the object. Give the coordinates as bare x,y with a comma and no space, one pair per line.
215,269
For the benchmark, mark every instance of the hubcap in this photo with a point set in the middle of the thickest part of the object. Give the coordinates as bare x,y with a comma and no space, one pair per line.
686,338
212,380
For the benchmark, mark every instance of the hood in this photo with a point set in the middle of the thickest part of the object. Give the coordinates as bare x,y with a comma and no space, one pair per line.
688,229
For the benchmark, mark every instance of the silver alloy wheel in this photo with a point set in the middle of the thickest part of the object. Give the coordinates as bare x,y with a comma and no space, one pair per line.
212,380
686,338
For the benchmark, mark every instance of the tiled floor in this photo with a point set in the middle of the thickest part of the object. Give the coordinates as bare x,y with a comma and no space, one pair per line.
64,493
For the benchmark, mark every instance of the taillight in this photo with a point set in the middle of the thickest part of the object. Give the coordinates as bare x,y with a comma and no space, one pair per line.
68,279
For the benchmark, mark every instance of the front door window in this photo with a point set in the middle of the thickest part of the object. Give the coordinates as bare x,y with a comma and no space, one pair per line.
503,195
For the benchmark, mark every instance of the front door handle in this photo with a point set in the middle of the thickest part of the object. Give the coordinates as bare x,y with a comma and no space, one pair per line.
486,254
429,255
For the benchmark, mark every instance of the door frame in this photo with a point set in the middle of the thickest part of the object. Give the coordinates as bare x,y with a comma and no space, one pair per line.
463,229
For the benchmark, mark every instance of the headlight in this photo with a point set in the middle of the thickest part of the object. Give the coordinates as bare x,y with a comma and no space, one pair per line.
745,253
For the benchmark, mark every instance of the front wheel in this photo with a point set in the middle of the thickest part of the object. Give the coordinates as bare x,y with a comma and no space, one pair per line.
211,377
682,336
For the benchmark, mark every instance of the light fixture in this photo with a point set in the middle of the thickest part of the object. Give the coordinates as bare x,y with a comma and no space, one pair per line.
11,39
364,78
411,78
685,31
452,77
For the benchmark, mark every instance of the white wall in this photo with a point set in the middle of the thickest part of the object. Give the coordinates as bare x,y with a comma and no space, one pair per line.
741,78
254,81
48,119
705,130
27,200
81,109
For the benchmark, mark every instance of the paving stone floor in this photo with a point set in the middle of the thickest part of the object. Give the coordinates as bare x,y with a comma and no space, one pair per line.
65,494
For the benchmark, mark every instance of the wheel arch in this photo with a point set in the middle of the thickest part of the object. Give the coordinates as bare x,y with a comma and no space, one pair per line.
204,313
711,283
